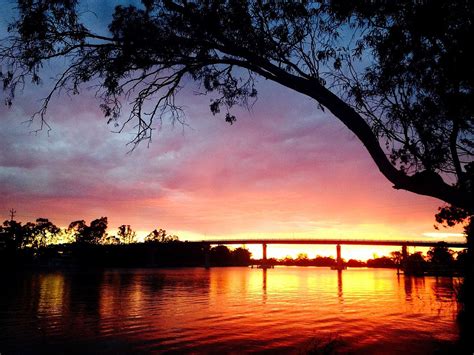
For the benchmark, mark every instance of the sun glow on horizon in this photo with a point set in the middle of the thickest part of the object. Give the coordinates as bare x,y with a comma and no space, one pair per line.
331,230
362,231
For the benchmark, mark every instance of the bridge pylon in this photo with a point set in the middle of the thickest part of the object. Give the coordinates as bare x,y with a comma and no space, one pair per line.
265,264
339,262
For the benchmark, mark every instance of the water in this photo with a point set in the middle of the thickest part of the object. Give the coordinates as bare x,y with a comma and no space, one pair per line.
226,310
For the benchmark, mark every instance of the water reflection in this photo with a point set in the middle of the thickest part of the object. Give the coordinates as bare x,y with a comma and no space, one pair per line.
264,285
444,288
340,293
408,287
414,286
223,309
51,294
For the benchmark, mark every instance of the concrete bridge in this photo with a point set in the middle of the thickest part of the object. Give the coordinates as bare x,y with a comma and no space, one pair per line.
404,244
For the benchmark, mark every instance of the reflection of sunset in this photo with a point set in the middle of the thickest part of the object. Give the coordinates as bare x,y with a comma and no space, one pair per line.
51,293
196,310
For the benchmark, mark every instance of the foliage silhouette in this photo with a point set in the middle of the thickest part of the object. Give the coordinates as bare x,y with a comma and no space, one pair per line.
12,234
160,236
42,244
415,264
355,263
92,234
384,262
303,260
126,234
397,74
241,256
397,257
41,232
440,255
220,255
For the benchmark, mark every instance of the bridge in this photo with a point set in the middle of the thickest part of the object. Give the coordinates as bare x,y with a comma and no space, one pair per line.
338,242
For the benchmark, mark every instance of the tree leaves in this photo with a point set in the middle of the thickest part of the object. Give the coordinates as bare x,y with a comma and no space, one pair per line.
397,72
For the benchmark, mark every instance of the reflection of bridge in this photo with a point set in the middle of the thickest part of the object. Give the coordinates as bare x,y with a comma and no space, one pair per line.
338,242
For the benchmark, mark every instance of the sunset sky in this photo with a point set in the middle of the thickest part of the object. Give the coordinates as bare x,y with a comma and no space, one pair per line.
284,169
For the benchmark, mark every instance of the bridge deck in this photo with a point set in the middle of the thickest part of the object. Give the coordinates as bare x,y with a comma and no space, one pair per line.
415,243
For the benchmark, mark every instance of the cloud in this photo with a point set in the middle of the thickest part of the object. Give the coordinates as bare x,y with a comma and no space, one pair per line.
283,167
443,235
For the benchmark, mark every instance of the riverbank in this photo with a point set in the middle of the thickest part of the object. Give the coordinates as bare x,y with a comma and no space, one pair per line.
182,254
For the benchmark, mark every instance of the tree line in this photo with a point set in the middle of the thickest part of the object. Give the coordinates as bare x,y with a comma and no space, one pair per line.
43,232
439,260
45,241
42,243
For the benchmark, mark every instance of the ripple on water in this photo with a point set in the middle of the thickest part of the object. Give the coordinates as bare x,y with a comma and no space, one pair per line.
225,310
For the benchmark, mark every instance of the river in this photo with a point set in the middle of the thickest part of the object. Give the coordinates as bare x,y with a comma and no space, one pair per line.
226,310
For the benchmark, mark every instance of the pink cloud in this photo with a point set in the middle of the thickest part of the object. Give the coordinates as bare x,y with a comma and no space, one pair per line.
283,166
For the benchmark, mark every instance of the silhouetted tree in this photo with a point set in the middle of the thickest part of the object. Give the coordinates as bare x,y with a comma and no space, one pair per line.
355,263
97,230
396,73
42,233
397,257
110,240
287,260
126,234
415,264
241,256
440,255
160,236
302,260
324,261
302,257
462,259
12,234
220,255
78,230
28,231
3,237
34,235
381,262
89,234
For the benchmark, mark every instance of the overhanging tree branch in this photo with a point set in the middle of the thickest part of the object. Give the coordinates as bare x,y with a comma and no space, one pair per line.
404,94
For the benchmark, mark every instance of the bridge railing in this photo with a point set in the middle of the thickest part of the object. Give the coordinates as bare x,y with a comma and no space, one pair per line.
383,242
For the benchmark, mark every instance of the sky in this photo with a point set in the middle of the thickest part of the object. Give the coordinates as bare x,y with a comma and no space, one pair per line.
284,169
